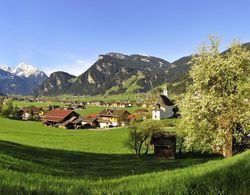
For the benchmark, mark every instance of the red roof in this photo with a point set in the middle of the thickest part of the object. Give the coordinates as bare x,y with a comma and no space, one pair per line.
90,116
131,116
56,115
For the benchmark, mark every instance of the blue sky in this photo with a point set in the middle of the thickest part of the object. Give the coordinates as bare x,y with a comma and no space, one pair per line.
68,35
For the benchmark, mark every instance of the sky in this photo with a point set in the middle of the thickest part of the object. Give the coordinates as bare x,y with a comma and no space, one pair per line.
68,35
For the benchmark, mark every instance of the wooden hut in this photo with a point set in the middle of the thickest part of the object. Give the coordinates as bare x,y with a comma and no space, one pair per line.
164,145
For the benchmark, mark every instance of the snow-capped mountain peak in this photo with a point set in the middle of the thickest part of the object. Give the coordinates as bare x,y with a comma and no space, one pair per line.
25,70
5,68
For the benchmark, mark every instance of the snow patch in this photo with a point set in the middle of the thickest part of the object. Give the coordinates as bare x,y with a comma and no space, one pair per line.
5,68
145,60
161,63
90,79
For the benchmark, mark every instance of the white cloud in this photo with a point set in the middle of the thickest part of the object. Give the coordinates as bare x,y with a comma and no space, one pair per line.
80,61
76,68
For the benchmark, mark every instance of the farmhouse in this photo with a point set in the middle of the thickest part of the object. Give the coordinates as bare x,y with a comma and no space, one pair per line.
113,118
66,119
164,145
30,113
90,121
163,107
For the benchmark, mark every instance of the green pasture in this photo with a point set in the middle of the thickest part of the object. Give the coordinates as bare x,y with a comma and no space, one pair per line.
35,159
36,104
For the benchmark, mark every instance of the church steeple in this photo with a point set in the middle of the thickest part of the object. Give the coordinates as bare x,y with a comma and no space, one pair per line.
165,91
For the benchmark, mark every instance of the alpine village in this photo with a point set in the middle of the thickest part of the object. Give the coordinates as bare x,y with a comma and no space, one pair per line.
124,123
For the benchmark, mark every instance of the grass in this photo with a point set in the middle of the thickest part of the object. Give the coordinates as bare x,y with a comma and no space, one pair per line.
35,134
36,104
97,109
89,108
35,159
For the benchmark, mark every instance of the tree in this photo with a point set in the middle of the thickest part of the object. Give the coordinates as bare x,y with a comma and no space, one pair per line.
215,109
7,107
140,135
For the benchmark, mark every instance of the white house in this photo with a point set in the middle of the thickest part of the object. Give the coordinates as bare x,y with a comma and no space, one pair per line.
163,107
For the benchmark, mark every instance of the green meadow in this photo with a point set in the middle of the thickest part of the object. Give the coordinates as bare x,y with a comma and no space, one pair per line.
36,104
89,108
35,159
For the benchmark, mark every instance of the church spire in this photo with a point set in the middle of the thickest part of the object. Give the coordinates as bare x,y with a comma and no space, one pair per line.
165,91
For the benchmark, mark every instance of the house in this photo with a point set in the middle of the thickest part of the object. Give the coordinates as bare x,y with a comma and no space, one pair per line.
164,145
163,107
142,113
90,121
74,106
30,113
66,119
113,118
106,104
96,103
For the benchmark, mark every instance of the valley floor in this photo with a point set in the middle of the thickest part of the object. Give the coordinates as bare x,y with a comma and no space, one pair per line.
35,159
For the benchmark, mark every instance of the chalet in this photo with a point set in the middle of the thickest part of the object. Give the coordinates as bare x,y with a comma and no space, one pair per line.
164,145
163,107
66,119
90,121
30,113
74,106
113,118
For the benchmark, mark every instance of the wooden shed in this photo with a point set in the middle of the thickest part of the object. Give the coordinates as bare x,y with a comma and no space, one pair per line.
164,145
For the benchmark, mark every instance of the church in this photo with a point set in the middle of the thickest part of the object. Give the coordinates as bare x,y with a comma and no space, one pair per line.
163,107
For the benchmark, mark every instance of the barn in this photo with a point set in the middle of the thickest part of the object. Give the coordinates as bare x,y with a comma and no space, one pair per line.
66,119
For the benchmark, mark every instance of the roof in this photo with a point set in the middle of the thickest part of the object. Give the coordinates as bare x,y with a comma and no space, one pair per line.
31,109
141,110
131,116
57,115
164,101
90,115
89,119
160,138
68,121
112,112
77,120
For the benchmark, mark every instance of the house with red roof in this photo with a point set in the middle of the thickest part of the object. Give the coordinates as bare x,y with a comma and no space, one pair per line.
66,119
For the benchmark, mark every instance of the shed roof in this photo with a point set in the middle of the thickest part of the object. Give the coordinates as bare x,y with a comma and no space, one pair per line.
112,112
57,115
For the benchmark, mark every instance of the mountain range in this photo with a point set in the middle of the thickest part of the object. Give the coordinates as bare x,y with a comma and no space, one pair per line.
112,73
21,80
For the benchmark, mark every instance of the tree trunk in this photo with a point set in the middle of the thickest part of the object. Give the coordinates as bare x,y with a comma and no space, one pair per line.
147,148
227,149
139,150
180,149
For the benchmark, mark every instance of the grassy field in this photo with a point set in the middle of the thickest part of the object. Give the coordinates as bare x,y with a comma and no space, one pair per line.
97,109
35,159
36,104
89,109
